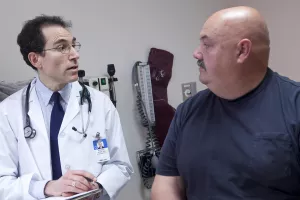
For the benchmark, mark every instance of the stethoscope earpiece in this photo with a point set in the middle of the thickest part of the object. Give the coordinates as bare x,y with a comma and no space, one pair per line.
83,133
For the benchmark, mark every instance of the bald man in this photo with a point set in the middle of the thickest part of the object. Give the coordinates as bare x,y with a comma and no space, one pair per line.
238,139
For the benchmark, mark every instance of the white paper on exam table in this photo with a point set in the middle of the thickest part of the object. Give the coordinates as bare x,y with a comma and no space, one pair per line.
77,196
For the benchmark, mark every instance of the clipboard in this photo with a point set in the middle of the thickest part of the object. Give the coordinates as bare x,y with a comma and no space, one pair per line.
93,195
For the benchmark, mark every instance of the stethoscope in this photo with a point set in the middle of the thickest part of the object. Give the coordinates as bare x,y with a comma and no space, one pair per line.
30,132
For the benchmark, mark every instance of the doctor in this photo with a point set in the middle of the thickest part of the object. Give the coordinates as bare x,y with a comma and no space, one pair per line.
50,129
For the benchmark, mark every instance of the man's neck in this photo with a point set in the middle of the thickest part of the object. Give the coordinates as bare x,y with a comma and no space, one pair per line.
51,84
242,86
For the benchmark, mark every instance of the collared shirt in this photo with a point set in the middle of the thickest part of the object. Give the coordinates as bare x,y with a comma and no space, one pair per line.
44,95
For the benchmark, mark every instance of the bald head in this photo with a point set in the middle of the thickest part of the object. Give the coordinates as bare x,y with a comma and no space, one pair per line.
234,24
241,22
233,51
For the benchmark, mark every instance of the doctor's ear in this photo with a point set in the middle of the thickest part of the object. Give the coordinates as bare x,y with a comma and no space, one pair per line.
35,59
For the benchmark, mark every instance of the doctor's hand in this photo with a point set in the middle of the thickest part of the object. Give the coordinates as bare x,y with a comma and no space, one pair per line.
73,182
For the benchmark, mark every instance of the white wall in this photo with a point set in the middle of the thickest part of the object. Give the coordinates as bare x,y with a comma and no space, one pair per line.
118,32
283,21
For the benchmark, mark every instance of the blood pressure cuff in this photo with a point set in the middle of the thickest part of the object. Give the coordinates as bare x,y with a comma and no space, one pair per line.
161,63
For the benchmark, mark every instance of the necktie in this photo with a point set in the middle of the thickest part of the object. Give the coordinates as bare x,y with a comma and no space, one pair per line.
57,116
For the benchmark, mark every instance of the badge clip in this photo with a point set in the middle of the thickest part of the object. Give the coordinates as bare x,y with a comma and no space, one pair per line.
97,135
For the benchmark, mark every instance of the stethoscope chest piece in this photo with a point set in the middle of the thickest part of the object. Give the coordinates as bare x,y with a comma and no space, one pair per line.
29,132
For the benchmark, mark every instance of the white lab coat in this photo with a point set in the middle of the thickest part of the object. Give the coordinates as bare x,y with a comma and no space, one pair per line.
24,160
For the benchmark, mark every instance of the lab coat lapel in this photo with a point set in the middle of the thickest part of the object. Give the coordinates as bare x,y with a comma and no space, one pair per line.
36,115
41,140
73,106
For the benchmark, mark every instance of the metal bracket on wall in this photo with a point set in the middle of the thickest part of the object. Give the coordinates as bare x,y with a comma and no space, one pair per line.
188,90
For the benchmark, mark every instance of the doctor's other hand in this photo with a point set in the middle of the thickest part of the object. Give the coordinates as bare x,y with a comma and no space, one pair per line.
72,182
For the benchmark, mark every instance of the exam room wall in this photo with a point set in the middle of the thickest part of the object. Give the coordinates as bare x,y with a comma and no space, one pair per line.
282,18
119,33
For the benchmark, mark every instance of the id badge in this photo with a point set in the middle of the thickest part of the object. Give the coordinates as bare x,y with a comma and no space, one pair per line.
101,149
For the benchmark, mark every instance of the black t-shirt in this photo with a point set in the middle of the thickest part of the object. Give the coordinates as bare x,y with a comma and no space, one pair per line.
247,148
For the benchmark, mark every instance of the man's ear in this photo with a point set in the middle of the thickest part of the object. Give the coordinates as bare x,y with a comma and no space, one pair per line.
35,60
243,50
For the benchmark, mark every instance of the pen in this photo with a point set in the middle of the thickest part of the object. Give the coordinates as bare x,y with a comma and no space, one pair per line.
90,180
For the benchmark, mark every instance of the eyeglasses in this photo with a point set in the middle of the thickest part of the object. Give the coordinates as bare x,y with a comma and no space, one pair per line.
66,48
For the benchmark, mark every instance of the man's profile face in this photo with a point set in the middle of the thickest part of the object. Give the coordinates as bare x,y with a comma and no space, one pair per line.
216,53
57,65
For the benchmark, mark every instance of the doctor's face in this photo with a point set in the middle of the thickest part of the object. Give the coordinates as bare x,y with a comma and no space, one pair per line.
59,61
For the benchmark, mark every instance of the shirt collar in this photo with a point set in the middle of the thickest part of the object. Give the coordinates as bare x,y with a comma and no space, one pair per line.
46,93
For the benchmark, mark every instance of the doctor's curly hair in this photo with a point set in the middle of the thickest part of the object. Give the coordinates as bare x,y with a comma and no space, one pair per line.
31,38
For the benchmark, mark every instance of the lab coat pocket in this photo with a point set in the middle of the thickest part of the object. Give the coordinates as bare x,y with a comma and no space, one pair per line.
101,148
94,166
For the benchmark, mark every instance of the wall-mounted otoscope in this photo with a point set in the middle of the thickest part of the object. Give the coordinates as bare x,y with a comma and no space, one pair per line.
81,74
103,83
111,72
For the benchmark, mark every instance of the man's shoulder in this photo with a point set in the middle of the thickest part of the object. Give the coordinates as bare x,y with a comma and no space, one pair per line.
289,94
286,81
288,88
199,97
194,102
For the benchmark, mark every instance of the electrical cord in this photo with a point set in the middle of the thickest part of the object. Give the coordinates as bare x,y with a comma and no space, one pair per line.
149,160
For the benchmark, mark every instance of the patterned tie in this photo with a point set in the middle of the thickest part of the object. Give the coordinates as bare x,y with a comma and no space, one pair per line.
57,116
